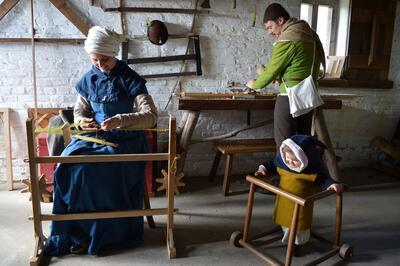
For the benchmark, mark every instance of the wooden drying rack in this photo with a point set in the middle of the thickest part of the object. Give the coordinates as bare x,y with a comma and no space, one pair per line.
39,217
5,116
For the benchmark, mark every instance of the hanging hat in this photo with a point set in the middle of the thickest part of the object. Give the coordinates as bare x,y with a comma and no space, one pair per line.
103,41
157,32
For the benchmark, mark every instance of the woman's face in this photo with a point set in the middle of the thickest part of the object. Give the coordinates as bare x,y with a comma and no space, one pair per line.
274,27
102,62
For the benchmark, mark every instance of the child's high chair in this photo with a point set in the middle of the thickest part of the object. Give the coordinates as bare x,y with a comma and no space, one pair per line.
240,239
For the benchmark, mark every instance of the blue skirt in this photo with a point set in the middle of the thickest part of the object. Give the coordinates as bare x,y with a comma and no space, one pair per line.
90,187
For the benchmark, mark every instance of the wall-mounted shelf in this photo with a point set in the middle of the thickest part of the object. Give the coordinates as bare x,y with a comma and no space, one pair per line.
193,57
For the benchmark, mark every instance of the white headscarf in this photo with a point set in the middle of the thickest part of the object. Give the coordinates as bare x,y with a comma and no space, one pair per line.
103,41
298,152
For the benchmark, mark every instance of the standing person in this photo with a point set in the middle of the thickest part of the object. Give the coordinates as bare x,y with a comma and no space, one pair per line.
301,172
111,97
296,52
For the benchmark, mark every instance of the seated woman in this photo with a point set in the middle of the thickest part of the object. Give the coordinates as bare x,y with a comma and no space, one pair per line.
111,97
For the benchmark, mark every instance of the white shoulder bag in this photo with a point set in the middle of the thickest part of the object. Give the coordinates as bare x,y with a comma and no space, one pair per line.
304,96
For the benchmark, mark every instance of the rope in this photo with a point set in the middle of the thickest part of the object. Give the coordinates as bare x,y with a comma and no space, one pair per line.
33,62
184,62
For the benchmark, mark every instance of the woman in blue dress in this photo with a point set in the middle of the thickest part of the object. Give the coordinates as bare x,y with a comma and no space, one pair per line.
111,97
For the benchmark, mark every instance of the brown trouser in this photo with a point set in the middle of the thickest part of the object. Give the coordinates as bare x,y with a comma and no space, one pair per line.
285,125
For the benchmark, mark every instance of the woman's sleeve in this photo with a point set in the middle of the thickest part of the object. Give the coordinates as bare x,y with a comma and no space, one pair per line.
282,53
82,109
144,115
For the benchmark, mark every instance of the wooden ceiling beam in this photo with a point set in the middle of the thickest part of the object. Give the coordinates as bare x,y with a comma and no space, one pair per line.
71,15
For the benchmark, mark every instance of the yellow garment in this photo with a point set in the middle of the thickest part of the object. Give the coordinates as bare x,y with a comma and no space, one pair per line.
301,185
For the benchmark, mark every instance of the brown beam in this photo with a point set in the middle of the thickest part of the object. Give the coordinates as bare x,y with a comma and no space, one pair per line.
71,15
42,40
149,10
6,6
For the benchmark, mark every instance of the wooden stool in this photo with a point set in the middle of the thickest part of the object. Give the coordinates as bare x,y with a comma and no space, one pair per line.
232,147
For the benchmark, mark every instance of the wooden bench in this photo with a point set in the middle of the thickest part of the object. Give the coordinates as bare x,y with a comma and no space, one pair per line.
232,147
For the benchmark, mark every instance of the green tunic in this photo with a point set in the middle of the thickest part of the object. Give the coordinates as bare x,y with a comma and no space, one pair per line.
292,56
291,60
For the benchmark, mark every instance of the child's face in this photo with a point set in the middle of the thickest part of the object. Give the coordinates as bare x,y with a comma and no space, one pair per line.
291,160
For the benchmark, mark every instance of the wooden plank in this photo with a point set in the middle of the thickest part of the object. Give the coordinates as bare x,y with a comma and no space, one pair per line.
102,215
6,6
43,40
362,61
103,158
351,83
8,148
149,10
239,104
71,15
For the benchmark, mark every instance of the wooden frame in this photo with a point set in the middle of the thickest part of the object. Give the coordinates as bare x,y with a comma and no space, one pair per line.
64,7
5,112
239,239
38,217
196,56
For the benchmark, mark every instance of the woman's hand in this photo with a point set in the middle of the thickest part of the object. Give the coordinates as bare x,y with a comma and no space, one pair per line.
110,123
250,83
88,124
338,188
260,69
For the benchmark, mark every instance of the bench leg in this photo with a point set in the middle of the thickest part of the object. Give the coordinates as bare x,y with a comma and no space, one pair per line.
214,167
227,174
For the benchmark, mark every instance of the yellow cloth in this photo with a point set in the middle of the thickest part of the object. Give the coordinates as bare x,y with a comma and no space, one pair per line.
301,185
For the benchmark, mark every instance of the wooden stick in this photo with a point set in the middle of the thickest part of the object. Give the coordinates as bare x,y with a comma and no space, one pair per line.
33,60
249,212
187,133
339,205
36,208
329,154
172,166
292,234
276,190
8,147
102,158
121,18
102,215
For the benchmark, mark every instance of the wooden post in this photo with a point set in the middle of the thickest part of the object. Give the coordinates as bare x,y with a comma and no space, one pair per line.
184,140
172,162
35,193
292,234
339,205
7,146
329,155
249,212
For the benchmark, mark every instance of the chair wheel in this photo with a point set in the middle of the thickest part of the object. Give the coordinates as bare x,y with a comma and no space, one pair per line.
346,252
235,237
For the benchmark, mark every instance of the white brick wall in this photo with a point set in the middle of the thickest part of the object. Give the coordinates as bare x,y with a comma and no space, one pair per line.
231,50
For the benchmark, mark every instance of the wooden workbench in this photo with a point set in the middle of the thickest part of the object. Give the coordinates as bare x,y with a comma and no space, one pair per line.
193,103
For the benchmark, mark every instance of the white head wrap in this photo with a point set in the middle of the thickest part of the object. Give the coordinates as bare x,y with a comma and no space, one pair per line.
298,152
103,41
